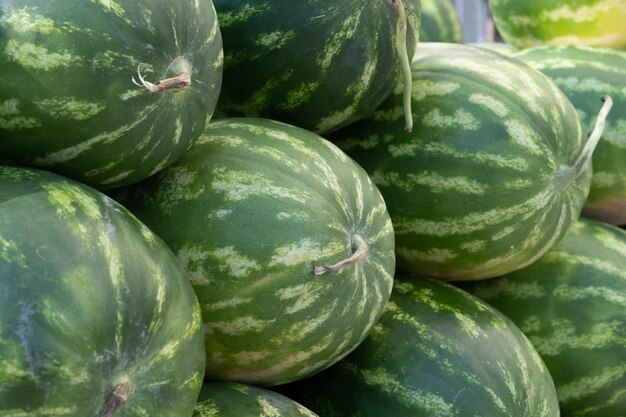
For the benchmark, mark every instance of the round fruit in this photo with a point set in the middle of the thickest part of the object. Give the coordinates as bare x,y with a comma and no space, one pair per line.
319,65
96,315
288,244
223,399
584,74
108,92
524,24
437,351
572,306
494,173
440,22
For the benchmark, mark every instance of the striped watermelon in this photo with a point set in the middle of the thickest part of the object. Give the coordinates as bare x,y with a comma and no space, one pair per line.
437,351
584,74
494,172
261,215
316,64
572,306
96,316
68,101
223,399
524,24
500,47
440,22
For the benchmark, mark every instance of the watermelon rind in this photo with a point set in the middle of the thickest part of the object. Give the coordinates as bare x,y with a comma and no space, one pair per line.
437,351
224,399
261,214
97,317
485,184
319,65
571,305
524,24
80,92
584,74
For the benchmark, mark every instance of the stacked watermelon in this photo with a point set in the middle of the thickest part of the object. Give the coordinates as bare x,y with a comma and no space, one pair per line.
68,103
584,73
476,190
572,305
524,24
440,22
258,266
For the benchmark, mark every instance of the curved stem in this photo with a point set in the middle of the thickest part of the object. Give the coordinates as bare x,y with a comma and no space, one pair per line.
181,81
357,255
401,39
568,174
118,399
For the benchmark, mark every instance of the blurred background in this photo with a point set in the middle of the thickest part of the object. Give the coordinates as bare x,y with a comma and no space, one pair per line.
476,20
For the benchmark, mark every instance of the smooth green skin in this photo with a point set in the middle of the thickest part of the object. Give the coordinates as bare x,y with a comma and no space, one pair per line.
98,50
524,24
445,225
250,210
437,351
499,47
223,399
440,22
570,304
288,79
585,74
89,299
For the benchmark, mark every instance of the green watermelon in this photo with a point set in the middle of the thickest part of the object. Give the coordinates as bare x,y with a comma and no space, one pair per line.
223,399
572,306
437,351
319,64
584,74
500,47
287,242
107,91
97,318
494,173
440,22
524,24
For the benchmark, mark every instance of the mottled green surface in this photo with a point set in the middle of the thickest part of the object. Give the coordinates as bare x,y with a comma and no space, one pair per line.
440,22
437,351
499,47
89,299
471,191
585,74
67,101
222,399
250,211
524,24
572,306
318,64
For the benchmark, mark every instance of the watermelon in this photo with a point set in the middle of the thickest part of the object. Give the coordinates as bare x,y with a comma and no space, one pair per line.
109,91
500,47
96,315
440,22
223,399
572,306
524,24
287,241
584,74
437,351
319,65
494,173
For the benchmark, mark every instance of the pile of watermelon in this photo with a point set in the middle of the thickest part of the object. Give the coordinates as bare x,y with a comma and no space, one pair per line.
316,208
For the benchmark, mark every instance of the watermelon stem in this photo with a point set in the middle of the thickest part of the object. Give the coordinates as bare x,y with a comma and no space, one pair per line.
568,174
360,250
118,399
401,29
177,83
